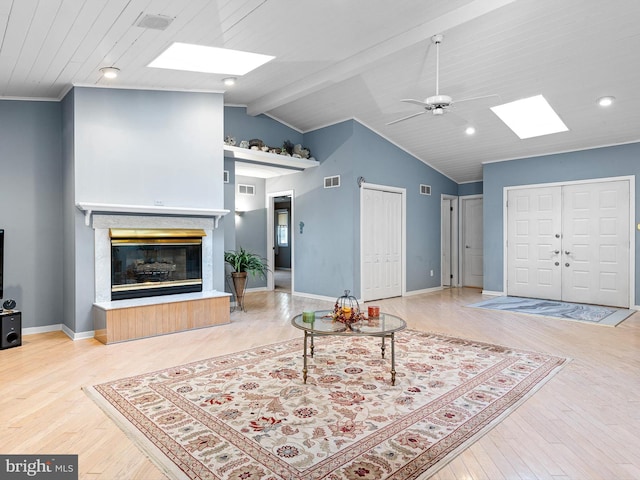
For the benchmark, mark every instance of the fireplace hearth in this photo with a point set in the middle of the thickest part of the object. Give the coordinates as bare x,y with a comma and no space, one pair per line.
152,262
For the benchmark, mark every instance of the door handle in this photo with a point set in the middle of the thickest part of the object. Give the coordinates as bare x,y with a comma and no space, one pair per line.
467,246
566,264
567,252
555,252
557,263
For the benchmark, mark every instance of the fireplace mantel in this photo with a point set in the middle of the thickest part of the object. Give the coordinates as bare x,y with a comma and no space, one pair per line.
89,208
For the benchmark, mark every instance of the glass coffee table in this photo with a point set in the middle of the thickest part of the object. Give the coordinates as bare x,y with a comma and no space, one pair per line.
383,326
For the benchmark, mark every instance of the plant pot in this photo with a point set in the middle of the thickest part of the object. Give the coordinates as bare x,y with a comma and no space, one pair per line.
239,285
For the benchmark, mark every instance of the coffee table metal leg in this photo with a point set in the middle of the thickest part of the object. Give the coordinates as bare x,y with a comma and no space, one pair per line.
304,356
311,335
382,347
393,360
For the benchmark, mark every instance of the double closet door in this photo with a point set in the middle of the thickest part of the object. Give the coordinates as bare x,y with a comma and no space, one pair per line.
570,243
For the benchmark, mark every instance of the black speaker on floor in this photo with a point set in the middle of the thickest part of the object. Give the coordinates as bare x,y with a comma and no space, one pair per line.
11,329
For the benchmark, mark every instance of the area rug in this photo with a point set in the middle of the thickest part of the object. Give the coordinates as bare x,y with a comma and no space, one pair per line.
249,416
595,314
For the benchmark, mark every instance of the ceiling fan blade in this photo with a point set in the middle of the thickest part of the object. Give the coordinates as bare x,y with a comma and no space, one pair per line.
472,99
407,117
415,102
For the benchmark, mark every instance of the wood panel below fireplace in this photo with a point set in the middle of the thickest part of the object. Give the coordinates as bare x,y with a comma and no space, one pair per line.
130,319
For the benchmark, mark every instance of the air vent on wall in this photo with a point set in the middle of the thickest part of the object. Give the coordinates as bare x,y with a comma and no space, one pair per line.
226,176
154,22
425,189
332,182
246,189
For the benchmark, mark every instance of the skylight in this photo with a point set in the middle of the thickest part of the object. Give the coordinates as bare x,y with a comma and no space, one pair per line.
200,58
530,117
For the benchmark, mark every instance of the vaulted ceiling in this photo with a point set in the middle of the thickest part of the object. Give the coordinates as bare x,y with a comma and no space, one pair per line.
341,59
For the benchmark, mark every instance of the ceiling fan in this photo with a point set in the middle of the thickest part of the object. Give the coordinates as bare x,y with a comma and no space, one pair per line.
437,104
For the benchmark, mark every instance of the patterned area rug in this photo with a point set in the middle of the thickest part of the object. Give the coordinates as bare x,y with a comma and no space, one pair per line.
249,416
579,312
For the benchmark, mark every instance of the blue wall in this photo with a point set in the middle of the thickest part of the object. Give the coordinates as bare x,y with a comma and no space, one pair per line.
327,253
621,160
473,188
251,225
137,147
250,229
383,163
31,209
241,126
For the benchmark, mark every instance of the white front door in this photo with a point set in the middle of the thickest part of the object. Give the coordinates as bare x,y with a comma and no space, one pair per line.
534,242
570,243
472,245
381,244
595,245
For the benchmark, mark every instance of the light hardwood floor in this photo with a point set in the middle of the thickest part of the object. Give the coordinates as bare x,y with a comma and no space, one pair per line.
582,425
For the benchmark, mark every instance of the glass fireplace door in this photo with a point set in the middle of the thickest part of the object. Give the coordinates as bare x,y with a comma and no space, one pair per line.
142,267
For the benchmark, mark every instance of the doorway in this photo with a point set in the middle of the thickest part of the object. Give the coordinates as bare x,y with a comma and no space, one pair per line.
570,242
280,241
449,240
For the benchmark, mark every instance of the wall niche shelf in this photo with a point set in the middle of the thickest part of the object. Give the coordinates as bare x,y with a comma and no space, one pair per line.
89,208
269,159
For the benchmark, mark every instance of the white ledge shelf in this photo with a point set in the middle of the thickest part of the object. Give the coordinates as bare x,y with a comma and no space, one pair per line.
89,208
271,159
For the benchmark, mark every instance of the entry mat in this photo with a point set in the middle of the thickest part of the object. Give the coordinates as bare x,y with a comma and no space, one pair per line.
595,314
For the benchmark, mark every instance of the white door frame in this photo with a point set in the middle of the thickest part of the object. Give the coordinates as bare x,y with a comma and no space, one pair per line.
632,215
403,228
270,201
455,239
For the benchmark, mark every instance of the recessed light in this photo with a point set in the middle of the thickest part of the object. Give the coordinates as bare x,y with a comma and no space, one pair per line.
470,130
606,101
229,81
110,72
200,58
530,117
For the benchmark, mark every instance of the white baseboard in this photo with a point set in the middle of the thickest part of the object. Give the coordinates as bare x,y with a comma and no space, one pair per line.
77,335
495,294
256,289
332,299
45,329
56,328
314,296
424,290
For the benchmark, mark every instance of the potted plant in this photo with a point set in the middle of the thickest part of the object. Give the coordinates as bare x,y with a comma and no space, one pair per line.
243,263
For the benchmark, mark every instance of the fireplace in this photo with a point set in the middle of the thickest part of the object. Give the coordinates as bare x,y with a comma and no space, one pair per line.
151,262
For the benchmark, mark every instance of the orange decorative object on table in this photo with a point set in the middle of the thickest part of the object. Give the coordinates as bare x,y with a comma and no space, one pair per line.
374,311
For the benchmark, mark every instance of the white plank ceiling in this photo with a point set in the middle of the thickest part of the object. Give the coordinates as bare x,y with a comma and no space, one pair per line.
338,59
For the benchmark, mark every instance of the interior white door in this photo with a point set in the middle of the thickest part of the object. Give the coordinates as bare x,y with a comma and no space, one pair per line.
381,244
534,230
472,243
570,243
595,245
